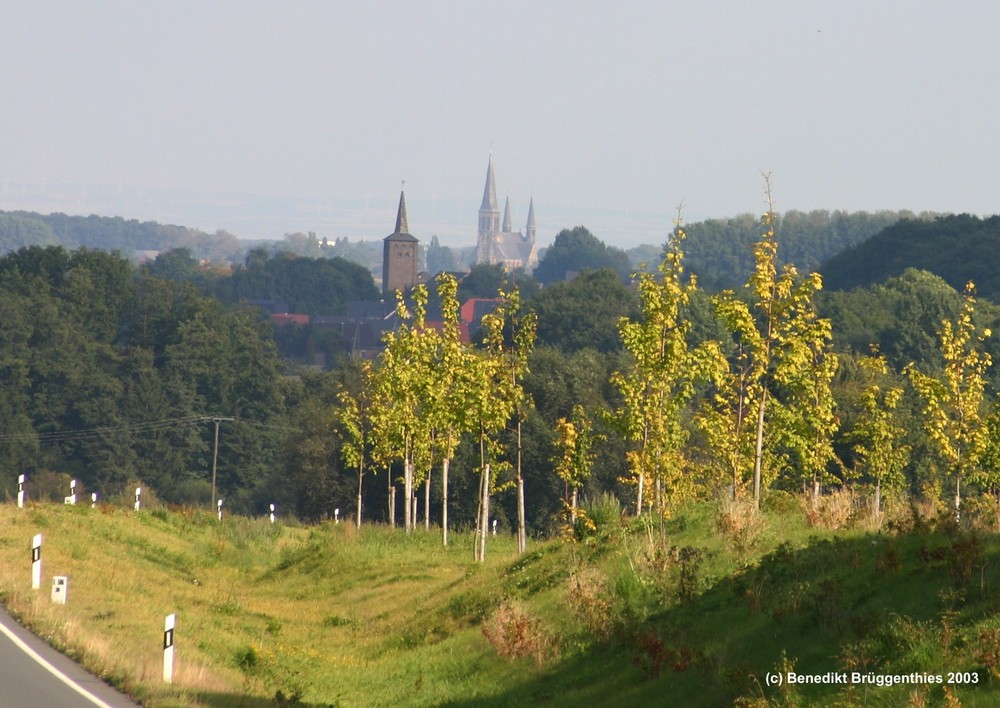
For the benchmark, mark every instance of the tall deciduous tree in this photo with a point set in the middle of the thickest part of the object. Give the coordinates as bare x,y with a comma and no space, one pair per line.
662,379
523,328
877,437
763,328
451,365
807,369
400,394
492,404
953,402
575,458
354,418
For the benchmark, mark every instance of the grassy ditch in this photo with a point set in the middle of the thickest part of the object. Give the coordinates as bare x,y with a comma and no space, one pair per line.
698,609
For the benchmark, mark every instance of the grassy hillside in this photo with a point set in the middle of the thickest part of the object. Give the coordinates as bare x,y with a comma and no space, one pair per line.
696,612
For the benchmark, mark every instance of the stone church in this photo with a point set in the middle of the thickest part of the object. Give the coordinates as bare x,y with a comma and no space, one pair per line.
399,255
498,242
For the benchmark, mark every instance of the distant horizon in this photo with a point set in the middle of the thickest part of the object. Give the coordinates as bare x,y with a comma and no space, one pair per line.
251,217
264,119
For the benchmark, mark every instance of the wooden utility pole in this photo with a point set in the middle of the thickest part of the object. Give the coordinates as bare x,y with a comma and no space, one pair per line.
215,454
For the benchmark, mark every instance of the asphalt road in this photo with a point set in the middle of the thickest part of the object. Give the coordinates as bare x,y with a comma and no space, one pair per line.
34,675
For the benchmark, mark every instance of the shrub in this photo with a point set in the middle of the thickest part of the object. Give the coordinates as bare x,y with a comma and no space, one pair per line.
740,525
604,512
830,511
514,634
589,596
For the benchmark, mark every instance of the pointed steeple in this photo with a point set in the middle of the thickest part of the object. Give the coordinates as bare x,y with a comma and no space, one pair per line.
401,226
506,217
490,192
529,231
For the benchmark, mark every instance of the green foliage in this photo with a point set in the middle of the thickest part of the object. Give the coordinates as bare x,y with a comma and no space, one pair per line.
662,380
312,286
877,436
958,248
953,415
21,229
720,251
576,250
781,344
108,375
575,459
583,312
485,281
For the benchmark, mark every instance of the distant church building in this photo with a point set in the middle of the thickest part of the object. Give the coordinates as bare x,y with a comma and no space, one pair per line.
399,255
498,243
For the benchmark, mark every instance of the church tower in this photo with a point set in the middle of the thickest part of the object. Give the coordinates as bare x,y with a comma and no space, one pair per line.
399,255
489,219
498,242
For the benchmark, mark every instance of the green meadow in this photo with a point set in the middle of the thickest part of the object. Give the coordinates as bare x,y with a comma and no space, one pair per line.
699,609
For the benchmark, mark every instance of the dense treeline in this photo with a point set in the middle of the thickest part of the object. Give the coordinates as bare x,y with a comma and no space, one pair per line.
957,248
312,286
19,229
720,251
113,375
109,375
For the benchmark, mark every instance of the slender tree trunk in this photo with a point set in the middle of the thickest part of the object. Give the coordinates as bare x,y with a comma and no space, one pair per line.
408,494
427,501
758,457
522,531
958,496
572,507
392,499
642,473
361,476
444,500
486,512
878,503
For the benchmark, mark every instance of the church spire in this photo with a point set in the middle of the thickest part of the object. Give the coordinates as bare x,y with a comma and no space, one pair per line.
506,217
529,231
490,192
401,226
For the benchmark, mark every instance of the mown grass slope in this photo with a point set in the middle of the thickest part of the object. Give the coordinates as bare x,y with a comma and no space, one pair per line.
696,611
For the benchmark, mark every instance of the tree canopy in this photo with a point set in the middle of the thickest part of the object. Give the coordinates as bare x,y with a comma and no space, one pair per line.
575,250
957,248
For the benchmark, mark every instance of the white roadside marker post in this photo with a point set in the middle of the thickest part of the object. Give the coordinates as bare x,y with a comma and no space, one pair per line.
93,499
168,648
272,513
336,516
220,510
71,499
60,589
494,527
36,562
138,494
20,491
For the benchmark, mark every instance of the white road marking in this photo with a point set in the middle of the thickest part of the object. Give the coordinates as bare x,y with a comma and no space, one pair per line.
50,668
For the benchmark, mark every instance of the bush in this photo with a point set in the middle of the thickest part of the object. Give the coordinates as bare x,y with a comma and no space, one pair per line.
605,512
740,525
590,598
514,634
830,511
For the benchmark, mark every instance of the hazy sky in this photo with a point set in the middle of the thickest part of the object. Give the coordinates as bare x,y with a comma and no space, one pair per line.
271,117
